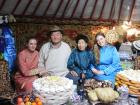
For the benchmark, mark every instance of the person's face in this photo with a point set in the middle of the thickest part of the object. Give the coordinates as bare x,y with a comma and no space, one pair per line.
56,37
32,44
101,41
82,45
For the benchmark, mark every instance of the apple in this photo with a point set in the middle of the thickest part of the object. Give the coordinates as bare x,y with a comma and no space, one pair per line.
19,100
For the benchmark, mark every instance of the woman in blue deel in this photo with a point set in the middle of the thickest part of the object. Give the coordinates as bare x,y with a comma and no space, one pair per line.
80,60
108,61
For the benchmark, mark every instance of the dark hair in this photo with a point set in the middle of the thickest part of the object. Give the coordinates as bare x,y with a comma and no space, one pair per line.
82,36
85,38
49,33
29,38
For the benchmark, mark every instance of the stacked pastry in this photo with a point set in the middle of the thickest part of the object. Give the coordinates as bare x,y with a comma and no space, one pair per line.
53,90
130,78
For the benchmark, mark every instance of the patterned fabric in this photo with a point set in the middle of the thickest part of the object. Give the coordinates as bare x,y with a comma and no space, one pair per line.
2,44
9,48
6,90
137,63
125,51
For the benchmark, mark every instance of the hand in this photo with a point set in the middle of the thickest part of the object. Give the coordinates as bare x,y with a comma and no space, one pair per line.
73,73
83,76
41,71
95,71
44,74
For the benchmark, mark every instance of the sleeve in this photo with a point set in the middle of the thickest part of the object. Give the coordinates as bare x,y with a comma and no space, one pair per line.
71,63
92,58
36,58
92,61
24,69
68,53
41,63
115,65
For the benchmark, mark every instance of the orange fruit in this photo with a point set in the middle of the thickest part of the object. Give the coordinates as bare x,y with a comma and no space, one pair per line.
28,103
39,103
33,103
26,99
37,99
22,103
19,100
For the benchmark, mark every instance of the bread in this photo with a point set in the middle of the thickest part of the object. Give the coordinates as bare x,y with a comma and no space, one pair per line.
134,88
125,82
117,79
135,82
122,77
131,78
134,92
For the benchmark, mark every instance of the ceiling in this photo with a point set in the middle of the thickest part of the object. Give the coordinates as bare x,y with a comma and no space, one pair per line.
94,10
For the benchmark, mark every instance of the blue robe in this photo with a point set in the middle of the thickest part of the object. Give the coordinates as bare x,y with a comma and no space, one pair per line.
109,63
80,61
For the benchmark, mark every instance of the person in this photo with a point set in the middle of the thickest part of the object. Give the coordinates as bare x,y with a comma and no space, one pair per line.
136,50
27,64
80,59
125,49
126,53
53,55
107,60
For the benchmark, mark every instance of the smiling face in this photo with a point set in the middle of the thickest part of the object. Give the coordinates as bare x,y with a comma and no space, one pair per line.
56,37
101,41
82,45
32,44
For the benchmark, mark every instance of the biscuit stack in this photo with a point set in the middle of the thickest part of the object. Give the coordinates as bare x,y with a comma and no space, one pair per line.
130,78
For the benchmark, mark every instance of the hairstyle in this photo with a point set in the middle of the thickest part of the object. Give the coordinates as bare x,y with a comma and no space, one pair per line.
84,37
99,34
29,38
97,47
50,33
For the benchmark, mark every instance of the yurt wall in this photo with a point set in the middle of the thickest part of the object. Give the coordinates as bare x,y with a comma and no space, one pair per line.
71,28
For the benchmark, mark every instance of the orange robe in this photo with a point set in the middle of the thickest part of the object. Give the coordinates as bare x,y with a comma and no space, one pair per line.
27,62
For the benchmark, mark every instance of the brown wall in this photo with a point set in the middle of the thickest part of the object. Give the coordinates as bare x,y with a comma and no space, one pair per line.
23,30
